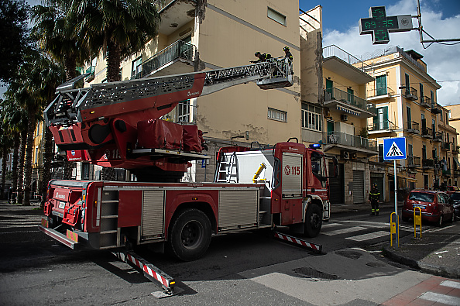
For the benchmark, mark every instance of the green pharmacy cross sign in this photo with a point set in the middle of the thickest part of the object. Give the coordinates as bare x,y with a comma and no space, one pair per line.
379,24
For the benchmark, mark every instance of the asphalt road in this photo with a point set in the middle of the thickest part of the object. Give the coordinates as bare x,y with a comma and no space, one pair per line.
249,268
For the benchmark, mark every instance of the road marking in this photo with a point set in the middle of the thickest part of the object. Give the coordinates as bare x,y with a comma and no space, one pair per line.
440,298
344,231
369,236
451,284
439,229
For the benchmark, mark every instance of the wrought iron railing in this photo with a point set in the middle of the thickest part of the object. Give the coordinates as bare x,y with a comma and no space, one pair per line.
410,93
413,161
333,50
175,51
376,92
427,132
445,145
382,126
437,136
335,94
413,127
427,163
351,140
425,101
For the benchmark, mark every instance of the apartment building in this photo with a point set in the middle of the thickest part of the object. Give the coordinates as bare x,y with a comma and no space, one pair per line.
203,35
407,106
453,116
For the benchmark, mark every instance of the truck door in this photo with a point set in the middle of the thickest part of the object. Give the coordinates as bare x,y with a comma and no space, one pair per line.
291,203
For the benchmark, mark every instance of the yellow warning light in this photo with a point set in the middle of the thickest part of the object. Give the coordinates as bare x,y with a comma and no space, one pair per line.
92,112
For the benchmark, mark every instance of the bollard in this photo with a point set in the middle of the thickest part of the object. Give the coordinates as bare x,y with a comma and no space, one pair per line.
417,221
394,228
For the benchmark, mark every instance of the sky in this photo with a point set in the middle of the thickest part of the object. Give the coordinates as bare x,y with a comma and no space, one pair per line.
440,18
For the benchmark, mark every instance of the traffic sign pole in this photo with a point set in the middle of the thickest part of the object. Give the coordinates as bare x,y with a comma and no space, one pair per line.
396,190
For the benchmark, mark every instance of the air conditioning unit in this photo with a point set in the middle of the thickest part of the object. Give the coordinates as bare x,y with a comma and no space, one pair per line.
345,154
344,117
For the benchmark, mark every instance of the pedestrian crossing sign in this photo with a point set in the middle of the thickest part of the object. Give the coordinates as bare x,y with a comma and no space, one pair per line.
394,148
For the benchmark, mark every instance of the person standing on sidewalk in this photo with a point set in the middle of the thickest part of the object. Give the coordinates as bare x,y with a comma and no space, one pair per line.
374,195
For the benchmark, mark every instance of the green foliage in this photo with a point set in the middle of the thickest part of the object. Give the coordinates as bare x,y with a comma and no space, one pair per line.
13,38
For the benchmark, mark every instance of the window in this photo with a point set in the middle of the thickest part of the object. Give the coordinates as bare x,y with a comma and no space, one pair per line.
432,98
410,150
311,117
380,122
421,93
407,84
277,115
409,120
183,111
381,85
136,67
274,15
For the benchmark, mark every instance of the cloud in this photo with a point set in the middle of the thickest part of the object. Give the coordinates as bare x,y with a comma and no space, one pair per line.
443,61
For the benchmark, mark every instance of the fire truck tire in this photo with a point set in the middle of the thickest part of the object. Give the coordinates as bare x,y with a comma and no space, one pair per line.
313,221
190,235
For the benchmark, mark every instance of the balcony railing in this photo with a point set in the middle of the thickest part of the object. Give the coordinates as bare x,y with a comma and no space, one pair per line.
333,50
427,163
455,149
447,172
413,127
445,145
435,109
178,50
410,93
341,138
413,161
457,173
380,92
335,94
427,132
437,136
425,102
382,126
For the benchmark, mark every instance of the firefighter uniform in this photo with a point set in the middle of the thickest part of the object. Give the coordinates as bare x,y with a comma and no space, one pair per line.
374,195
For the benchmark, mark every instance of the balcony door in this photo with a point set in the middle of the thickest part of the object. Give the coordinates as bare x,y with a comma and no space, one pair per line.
381,85
329,85
381,120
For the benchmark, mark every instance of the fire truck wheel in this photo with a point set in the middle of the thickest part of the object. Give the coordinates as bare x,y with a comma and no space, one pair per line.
190,235
313,221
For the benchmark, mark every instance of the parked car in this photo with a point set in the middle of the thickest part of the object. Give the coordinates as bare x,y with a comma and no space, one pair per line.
435,206
455,199
452,189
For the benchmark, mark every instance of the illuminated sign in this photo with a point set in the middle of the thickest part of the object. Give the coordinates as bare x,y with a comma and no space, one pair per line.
379,24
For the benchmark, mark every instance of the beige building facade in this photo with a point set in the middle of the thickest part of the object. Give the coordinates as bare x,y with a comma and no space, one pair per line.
407,106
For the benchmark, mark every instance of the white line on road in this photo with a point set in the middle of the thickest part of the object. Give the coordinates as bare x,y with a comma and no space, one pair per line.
451,284
369,236
440,298
344,231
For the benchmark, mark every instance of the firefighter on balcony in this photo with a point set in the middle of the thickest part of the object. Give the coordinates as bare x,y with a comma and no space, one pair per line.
374,195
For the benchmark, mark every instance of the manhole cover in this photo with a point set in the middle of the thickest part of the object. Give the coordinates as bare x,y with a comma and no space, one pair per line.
349,254
375,264
309,272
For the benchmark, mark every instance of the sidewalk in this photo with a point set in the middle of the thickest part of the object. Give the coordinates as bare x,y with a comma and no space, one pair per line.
436,252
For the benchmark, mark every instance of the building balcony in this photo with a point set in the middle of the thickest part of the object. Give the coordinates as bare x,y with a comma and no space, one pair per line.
435,109
455,149
350,142
413,161
445,146
427,132
379,93
342,101
437,136
427,163
447,172
174,14
175,59
456,173
346,65
410,93
425,102
382,127
413,127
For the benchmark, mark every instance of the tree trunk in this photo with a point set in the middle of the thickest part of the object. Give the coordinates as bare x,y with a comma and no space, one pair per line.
21,166
113,62
4,156
29,151
14,187
70,67
47,159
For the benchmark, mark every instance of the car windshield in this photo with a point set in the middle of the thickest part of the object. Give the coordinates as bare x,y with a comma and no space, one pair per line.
420,196
455,196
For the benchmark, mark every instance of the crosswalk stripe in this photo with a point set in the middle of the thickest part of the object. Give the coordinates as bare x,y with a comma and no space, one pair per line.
344,231
451,284
440,298
369,236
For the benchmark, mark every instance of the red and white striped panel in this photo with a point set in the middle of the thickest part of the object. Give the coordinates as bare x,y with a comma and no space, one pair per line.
155,273
314,247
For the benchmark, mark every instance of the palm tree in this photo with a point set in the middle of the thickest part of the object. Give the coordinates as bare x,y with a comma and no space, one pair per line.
119,28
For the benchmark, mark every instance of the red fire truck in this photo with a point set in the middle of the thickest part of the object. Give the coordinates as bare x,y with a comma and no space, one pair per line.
282,185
